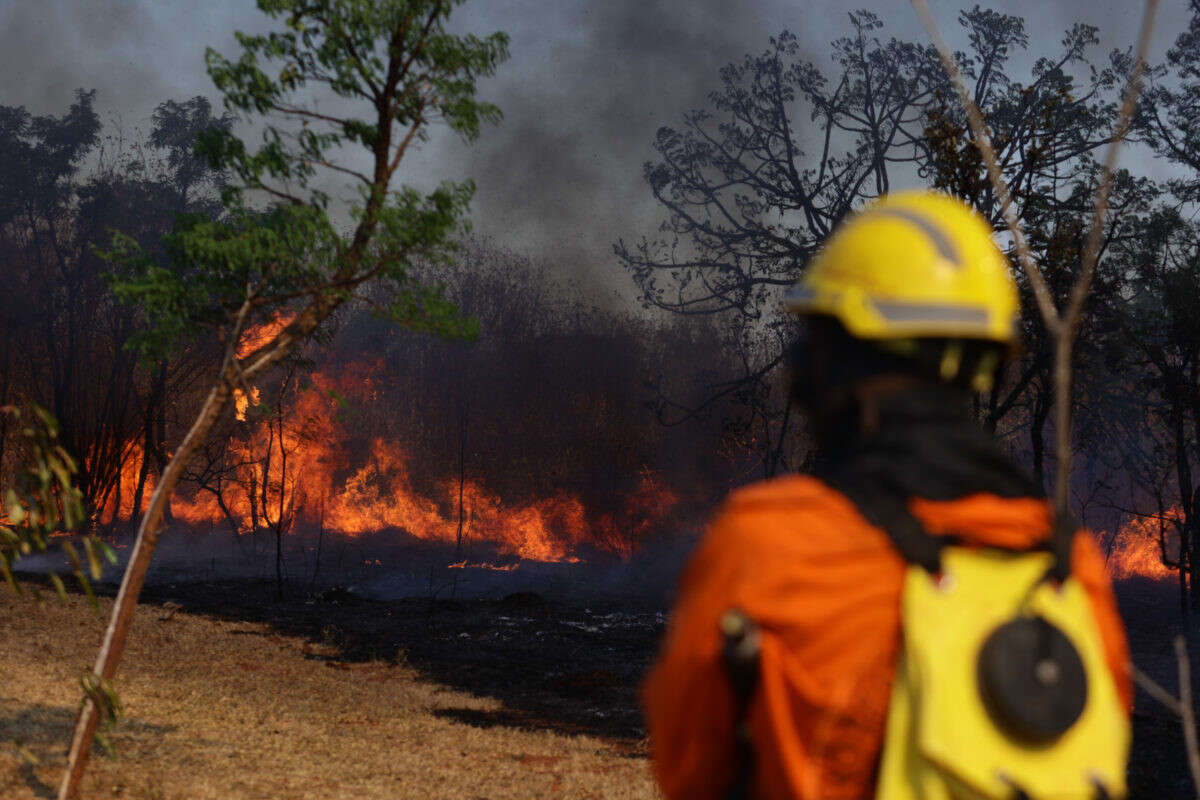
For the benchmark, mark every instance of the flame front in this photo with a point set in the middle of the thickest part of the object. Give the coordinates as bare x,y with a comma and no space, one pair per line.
300,469
1137,551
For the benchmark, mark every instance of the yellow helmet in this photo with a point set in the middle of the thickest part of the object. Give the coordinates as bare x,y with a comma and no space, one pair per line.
914,264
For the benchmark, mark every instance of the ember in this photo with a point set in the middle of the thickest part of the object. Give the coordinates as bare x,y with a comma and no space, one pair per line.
484,565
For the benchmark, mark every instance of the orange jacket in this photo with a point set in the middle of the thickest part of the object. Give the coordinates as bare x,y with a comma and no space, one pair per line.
824,585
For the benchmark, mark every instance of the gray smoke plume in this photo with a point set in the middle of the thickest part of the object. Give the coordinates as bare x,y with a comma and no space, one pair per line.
587,86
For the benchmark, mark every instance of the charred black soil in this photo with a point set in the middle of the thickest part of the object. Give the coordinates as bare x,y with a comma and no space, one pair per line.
570,668
575,668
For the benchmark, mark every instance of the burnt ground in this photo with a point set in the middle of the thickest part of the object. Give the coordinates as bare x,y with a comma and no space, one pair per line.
570,668
1158,767
575,668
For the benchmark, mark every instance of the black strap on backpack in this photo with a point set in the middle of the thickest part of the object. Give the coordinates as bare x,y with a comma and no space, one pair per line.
887,510
741,656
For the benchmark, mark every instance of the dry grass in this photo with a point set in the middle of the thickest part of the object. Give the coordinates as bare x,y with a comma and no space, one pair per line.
232,710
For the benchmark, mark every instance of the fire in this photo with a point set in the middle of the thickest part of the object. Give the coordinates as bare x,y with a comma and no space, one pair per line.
483,565
1136,551
252,339
242,402
305,469
256,336
380,494
119,503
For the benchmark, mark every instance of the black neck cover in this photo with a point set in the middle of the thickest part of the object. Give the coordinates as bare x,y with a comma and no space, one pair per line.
926,445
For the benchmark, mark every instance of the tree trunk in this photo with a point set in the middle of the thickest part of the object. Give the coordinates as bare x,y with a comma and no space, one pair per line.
278,563
135,576
143,474
252,496
462,478
1037,439
1191,524
1184,562
320,539
279,522
1063,378
1183,476
160,426
148,530
781,439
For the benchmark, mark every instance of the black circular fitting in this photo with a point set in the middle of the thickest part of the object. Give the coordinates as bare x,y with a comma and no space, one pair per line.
1032,680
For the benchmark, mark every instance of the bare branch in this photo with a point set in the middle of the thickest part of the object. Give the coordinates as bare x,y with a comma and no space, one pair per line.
304,112
983,141
1151,687
344,170
1091,251
282,195
1187,711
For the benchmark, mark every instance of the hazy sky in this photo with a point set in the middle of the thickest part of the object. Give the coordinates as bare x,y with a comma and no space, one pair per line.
588,84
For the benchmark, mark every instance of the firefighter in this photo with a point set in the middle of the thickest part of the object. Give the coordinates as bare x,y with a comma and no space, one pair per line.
910,620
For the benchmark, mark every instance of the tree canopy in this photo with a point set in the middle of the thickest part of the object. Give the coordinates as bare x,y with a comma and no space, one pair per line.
391,69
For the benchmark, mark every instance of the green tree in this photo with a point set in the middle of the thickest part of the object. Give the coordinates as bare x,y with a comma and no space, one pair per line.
394,70
42,500
60,311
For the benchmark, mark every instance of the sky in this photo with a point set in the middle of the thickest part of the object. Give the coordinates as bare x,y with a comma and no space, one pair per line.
587,85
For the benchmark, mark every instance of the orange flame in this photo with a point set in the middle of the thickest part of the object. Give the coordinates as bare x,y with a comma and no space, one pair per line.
323,483
1136,551
256,336
242,402
252,339
119,503
483,565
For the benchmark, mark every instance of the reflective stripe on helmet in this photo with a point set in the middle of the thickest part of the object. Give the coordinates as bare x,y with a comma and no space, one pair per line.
941,241
930,312
798,295
914,263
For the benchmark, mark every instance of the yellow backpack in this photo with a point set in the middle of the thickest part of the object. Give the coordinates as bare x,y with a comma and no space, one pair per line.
1002,690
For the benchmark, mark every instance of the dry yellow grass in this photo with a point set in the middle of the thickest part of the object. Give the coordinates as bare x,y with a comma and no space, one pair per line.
232,710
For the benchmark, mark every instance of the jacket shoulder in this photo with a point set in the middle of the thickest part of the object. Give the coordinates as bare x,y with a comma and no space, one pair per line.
790,492
792,514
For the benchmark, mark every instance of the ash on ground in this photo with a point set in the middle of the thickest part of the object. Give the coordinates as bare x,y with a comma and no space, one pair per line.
567,667
564,646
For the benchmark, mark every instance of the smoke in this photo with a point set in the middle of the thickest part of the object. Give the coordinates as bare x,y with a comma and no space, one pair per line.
590,83
47,48
586,88
387,565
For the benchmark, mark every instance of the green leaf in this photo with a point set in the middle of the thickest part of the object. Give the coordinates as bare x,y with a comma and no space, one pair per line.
59,588
42,500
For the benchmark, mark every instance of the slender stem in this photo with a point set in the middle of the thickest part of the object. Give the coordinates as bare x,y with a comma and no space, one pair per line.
1069,324
143,549
135,576
1064,327
1151,687
1187,711
983,141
